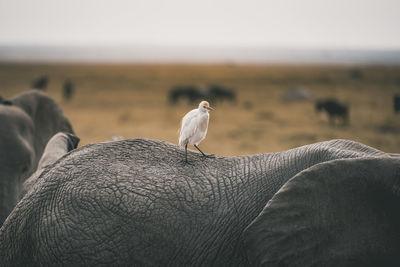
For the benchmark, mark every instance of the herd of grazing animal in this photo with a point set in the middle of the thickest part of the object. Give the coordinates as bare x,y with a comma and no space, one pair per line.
68,87
135,202
194,94
338,112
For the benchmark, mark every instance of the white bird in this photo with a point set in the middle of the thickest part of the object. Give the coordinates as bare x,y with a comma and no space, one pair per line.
194,127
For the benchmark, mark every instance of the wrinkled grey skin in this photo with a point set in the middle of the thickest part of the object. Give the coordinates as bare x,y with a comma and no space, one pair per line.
339,213
136,203
59,145
27,122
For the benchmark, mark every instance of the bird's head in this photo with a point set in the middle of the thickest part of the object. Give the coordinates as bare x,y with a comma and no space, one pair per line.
205,106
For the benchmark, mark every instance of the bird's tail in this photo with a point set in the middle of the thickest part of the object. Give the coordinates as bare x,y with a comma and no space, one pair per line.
182,142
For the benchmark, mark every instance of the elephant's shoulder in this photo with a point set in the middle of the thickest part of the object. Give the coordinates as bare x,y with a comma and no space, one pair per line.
345,148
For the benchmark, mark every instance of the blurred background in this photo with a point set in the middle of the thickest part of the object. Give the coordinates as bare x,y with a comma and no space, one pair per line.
280,74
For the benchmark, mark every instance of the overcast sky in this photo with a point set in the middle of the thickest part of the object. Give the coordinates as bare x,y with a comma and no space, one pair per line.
370,24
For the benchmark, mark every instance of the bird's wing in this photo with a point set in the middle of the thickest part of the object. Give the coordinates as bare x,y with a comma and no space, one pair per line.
189,126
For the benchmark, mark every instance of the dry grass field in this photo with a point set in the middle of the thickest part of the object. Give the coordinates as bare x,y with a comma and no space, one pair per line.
131,101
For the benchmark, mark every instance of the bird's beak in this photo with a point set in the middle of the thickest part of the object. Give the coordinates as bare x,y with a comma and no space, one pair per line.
209,108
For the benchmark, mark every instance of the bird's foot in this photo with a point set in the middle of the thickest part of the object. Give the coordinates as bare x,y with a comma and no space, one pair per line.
186,162
209,156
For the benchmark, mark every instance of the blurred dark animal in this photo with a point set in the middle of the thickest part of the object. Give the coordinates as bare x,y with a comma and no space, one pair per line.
40,82
219,93
68,90
334,108
193,94
396,102
297,94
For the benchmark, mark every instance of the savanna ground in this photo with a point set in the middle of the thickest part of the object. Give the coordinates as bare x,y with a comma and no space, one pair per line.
131,101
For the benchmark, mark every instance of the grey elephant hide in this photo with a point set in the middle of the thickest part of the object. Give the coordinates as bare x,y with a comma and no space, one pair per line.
136,203
27,122
60,144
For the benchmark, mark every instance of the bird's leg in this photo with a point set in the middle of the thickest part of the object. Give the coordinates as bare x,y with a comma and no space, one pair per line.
186,154
186,160
207,156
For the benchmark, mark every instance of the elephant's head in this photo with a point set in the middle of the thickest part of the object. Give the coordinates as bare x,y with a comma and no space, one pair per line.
339,213
17,155
27,122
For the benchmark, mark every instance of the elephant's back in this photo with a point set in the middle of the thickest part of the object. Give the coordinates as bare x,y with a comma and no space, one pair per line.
136,202
126,193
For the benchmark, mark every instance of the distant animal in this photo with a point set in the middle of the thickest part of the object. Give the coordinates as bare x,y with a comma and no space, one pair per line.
194,94
27,123
194,127
219,93
68,90
334,108
40,82
396,102
297,94
131,203
191,93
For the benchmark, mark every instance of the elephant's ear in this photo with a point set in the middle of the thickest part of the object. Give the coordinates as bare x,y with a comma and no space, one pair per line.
47,117
339,213
60,144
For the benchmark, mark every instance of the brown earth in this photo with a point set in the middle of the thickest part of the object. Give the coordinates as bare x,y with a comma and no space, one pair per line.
131,101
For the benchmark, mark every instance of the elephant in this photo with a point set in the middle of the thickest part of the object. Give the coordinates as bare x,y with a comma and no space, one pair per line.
134,202
60,144
27,121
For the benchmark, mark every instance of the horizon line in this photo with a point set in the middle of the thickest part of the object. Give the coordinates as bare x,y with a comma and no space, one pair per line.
203,46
